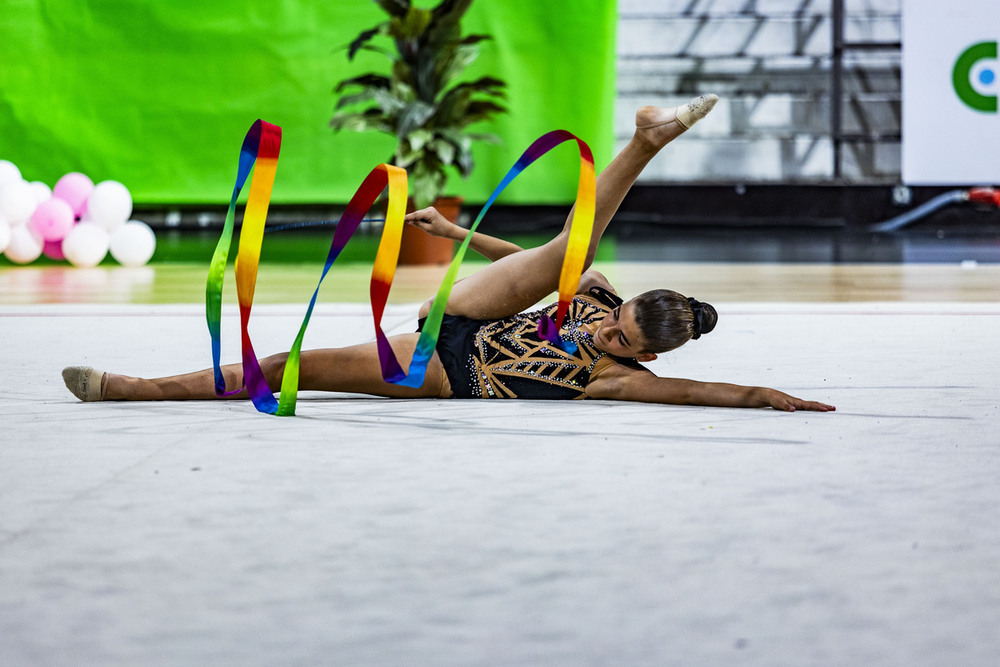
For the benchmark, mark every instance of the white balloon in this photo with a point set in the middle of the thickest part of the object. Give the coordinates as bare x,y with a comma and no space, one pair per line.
9,172
86,244
25,245
109,205
4,234
133,243
42,191
110,228
17,202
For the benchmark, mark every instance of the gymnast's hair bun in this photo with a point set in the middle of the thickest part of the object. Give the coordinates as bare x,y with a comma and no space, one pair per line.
705,317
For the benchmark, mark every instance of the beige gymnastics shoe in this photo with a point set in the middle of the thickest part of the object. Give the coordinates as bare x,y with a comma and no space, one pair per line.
84,382
682,117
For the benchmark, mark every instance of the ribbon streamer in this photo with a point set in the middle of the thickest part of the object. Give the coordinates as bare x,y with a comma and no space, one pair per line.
259,152
261,146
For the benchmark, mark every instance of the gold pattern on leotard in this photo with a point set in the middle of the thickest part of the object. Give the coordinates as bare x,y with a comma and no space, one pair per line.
512,361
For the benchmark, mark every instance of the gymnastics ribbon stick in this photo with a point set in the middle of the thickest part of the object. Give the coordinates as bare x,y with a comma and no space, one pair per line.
261,147
576,251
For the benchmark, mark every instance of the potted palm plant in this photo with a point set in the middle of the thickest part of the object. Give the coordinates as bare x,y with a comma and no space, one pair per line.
422,102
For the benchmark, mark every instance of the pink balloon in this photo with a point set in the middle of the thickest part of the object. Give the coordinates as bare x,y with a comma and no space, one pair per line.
74,188
53,250
52,219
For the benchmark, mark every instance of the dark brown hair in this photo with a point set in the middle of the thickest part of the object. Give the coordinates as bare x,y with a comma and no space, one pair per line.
667,319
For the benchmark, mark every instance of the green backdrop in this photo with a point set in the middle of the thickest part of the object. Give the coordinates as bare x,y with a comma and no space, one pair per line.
158,95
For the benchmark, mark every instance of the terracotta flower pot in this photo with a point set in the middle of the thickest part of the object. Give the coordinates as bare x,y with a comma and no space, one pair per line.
418,247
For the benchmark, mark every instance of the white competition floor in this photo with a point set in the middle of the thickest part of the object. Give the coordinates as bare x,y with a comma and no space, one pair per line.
375,532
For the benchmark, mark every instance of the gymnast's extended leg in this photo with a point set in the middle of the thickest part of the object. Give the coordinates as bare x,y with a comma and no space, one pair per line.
522,279
348,369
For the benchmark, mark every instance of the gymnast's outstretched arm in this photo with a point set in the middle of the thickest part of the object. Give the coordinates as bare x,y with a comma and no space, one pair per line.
431,221
492,248
628,384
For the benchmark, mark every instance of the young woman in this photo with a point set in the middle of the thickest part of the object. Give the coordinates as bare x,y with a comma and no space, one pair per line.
488,348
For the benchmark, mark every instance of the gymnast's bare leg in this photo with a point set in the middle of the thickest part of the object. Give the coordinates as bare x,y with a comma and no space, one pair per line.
520,280
352,369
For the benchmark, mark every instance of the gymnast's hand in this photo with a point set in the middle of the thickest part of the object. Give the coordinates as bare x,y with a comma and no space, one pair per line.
432,222
782,401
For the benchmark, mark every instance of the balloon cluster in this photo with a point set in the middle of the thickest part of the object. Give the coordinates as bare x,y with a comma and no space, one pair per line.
75,221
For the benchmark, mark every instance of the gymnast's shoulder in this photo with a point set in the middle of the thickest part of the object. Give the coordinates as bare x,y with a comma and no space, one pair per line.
591,278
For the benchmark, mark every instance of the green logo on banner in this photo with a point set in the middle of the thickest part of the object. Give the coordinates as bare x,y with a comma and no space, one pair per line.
961,77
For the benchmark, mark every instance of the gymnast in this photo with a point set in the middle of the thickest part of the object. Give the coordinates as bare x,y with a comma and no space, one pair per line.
489,348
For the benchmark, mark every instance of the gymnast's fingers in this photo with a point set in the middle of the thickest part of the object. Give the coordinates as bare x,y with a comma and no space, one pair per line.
423,215
814,406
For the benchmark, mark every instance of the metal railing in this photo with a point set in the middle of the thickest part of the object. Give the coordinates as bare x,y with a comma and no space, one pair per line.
811,88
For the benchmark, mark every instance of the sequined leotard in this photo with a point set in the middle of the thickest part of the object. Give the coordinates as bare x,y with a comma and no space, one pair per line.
508,359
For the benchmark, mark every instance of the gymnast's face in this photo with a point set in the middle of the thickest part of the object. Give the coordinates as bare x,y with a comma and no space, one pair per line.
619,335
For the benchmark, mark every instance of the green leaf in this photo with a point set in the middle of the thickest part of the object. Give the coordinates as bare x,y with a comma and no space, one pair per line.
413,25
413,116
490,86
359,122
386,105
394,7
485,137
366,81
454,62
419,138
413,148
357,98
361,40
404,157
463,144
446,19
403,90
453,106
427,180
445,151
482,110
457,148
451,10
475,39
379,50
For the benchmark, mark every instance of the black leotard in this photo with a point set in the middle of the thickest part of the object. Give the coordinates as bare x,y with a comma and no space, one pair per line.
508,359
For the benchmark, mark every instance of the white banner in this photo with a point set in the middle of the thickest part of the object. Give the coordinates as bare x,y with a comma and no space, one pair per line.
951,82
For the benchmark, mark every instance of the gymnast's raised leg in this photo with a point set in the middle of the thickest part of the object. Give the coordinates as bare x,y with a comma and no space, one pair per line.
520,280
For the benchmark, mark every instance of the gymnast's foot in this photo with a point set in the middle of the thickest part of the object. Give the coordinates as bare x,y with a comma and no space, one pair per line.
86,383
661,126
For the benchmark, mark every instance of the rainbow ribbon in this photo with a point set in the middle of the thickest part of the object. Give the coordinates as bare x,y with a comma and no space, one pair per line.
261,147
